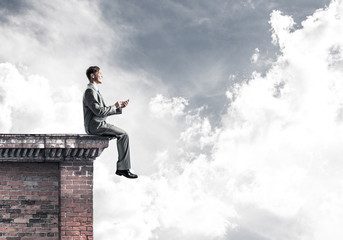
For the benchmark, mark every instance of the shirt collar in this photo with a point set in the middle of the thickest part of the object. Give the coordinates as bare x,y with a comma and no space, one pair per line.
94,85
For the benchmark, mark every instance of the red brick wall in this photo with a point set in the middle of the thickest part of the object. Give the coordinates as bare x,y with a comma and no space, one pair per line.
76,200
29,201
46,185
46,200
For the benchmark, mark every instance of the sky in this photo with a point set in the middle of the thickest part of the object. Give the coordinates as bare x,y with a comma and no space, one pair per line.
235,116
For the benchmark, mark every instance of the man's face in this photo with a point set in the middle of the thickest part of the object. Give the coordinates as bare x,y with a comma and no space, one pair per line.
97,77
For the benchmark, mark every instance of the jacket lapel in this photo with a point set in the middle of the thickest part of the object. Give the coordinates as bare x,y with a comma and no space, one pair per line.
101,100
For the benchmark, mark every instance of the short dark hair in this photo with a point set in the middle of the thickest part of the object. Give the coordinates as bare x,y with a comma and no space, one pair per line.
90,70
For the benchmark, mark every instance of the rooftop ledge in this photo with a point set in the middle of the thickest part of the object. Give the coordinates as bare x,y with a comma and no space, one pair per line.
50,147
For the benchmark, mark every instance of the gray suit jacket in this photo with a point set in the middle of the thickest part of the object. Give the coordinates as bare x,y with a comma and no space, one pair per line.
95,111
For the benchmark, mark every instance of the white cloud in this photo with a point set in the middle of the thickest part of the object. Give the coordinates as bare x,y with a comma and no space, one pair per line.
284,130
168,203
161,106
29,104
58,40
281,26
255,56
275,168
163,206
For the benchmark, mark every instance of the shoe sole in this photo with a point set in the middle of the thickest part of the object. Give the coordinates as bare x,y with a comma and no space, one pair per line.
120,174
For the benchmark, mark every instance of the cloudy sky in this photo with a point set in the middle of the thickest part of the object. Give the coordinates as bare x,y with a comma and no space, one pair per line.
235,118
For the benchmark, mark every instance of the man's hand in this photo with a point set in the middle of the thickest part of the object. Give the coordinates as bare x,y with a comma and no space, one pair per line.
122,104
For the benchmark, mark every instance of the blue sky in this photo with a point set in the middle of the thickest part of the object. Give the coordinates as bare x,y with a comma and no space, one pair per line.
235,117
194,46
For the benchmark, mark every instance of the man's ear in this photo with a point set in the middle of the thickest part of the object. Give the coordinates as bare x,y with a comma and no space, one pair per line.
92,75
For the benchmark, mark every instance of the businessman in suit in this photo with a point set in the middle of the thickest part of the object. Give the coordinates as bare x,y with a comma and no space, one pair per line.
95,113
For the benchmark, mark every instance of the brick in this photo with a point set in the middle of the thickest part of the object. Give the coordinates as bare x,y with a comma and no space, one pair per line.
72,205
39,198
88,187
73,224
21,220
81,238
28,202
15,183
67,192
80,219
73,186
86,233
72,233
6,220
79,210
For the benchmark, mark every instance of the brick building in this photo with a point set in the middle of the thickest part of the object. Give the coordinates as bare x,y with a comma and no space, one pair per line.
46,185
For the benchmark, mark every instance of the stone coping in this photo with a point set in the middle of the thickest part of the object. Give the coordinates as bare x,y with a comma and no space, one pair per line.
51,147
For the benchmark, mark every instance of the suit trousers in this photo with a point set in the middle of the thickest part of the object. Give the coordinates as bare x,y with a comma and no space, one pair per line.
123,145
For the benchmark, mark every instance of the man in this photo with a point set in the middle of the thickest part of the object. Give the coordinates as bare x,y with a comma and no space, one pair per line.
95,113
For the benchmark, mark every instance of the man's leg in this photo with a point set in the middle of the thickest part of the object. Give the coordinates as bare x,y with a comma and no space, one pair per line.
123,146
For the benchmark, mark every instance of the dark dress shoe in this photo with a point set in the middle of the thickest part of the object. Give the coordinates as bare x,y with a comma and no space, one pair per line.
126,173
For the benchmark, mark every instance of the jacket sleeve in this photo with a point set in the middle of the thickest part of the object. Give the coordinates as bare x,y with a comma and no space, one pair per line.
94,105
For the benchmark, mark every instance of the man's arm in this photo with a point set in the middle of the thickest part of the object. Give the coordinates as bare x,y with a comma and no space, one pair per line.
92,102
